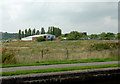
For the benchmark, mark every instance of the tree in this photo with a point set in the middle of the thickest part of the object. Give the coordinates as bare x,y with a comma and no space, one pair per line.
49,30
38,32
26,33
94,36
23,34
33,32
118,36
74,35
103,34
19,34
109,34
29,32
42,31
54,31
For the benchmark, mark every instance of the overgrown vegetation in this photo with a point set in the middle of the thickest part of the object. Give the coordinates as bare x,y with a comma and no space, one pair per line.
40,39
8,56
43,52
104,46
74,35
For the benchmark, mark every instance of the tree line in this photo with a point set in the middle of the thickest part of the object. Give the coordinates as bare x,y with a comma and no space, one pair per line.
28,32
75,35
8,36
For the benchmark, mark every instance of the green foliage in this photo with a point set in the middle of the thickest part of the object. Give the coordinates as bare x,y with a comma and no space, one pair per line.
38,32
59,37
29,32
6,36
54,30
23,34
107,36
118,35
74,35
40,39
19,34
42,31
103,34
26,33
94,36
33,31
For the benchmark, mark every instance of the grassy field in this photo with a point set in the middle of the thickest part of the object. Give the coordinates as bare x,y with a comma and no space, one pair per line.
24,72
52,51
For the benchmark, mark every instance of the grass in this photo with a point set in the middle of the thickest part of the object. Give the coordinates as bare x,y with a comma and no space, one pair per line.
24,72
31,52
62,62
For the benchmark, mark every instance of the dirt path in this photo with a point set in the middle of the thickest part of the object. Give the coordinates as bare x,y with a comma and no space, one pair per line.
55,66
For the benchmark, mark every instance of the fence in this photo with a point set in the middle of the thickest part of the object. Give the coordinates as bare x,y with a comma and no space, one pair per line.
63,54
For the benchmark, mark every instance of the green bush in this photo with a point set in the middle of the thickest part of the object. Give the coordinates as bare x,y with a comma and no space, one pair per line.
74,35
40,39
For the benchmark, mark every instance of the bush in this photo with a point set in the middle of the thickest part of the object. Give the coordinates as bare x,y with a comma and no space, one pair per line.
104,46
8,56
40,39
74,35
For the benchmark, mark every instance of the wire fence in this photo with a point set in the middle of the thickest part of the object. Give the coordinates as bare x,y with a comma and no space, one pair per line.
64,54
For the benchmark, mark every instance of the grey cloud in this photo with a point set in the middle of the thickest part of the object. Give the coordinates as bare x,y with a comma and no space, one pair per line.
66,15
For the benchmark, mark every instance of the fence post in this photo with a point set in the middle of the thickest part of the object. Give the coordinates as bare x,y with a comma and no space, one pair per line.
90,51
67,53
42,53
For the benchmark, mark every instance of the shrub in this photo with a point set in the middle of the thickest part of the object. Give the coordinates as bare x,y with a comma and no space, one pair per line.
8,56
103,46
40,39
74,35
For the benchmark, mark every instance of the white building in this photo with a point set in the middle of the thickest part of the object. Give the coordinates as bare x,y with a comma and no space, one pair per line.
33,38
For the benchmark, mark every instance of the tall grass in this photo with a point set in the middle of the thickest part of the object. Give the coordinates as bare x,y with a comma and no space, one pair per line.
8,56
32,52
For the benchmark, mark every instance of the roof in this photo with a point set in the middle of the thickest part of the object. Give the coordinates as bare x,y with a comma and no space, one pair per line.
40,35
30,37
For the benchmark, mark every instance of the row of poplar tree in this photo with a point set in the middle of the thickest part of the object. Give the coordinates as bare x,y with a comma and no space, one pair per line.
28,32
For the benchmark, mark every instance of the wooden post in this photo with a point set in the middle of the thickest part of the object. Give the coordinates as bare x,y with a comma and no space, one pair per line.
67,53
90,51
42,53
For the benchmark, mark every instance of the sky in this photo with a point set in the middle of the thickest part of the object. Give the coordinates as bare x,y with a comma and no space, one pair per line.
91,17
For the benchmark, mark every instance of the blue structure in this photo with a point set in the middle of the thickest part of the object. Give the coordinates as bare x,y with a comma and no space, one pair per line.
114,38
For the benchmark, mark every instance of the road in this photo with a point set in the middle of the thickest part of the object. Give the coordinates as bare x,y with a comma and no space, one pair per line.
55,66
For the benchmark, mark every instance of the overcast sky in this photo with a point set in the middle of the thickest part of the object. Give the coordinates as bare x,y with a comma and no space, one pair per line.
92,17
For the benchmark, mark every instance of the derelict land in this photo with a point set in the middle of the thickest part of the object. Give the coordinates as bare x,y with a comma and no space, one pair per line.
58,52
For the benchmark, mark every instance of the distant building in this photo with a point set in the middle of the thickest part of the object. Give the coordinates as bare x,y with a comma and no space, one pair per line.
34,37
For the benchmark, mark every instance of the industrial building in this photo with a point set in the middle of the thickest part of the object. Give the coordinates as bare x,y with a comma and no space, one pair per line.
34,37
